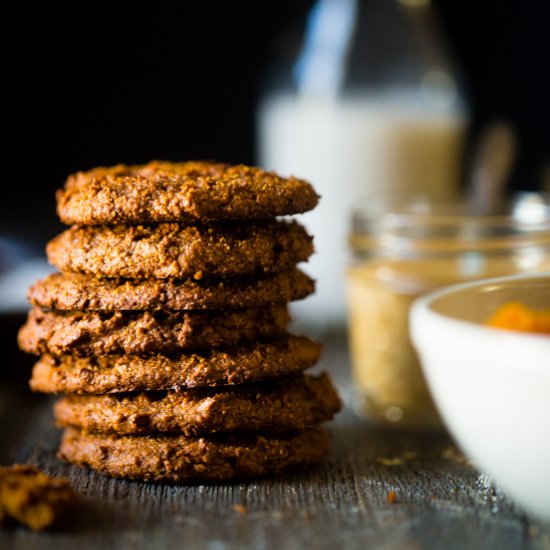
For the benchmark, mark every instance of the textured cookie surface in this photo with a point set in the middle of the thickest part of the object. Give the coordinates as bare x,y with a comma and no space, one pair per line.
75,291
129,373
99,333
32,498
282,405
172,250
180,459
165,192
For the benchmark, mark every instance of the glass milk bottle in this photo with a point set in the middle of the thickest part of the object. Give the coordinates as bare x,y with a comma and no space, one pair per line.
372,107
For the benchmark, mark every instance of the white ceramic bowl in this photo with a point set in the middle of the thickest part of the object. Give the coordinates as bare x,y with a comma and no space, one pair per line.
492,386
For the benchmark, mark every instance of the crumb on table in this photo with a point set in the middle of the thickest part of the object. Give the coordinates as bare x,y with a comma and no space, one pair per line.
32,498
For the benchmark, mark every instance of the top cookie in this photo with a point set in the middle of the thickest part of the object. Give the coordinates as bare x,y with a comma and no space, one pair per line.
176,192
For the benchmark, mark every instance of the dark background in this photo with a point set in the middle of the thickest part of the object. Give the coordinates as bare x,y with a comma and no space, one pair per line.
99,83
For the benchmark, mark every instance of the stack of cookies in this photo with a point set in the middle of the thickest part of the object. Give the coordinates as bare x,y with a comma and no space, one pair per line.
166,327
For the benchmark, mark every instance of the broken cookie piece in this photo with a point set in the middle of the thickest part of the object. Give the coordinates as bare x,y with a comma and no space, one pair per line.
32,498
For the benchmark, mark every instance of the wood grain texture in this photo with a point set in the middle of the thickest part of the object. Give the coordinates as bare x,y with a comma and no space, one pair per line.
440,500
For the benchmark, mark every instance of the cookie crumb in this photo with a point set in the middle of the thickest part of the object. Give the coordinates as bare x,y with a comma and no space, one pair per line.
453,454
398,460
391,497
390,461
30,497
240,508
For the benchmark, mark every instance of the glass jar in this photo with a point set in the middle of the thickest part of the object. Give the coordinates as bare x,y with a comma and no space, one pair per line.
401,251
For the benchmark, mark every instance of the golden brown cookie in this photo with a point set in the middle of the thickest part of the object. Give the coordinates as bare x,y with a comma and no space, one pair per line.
183,460
29,496
86,333
176,192
129,373
76,291
172,250
281,405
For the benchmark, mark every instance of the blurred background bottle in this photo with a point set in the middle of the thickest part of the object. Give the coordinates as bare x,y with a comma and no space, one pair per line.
371,105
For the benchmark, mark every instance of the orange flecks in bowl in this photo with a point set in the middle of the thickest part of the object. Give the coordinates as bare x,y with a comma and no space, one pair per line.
517,316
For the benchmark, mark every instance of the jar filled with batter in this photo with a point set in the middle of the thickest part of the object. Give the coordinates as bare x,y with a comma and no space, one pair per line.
402,250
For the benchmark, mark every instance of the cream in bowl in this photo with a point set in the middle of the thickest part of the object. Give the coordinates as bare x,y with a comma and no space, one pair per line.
492,385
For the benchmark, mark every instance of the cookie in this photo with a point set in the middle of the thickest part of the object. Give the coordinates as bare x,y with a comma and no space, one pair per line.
175,192
180,459
281,405
129,373
172,250
75,291
100,333
32,498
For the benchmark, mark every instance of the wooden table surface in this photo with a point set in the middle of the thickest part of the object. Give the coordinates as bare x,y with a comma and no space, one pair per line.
441,500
